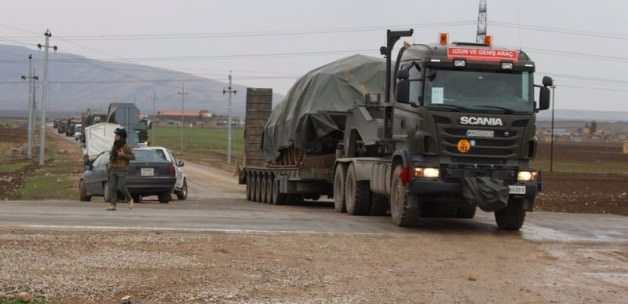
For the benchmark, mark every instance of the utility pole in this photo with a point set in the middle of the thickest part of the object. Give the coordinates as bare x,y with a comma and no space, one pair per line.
31,104
552,138
182,93
229,90
44,96
152,140
482,22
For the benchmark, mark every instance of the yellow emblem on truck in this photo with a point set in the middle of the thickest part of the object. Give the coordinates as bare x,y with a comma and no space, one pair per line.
464,146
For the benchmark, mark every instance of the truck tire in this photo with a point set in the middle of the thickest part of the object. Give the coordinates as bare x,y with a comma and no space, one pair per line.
83,196
339,189
269,189
249,186
263,184
466,212
379,204
357,194
277,198
258,187
405,208
512,217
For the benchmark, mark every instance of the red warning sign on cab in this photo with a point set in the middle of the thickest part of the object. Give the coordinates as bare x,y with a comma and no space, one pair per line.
478,54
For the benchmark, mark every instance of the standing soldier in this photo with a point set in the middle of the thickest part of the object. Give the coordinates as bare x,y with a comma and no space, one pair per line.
120,156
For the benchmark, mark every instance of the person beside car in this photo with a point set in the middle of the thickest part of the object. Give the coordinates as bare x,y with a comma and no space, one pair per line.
120,156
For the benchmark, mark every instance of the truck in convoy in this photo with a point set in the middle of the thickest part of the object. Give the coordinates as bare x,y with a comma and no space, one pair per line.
442,130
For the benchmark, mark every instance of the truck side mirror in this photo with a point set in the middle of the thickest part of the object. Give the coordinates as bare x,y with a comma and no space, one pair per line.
544,98
548,81
403,91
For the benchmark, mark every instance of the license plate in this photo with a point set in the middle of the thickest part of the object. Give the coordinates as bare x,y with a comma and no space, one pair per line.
480,133
147,172
515,189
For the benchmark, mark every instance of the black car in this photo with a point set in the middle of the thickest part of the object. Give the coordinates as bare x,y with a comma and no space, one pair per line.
149,174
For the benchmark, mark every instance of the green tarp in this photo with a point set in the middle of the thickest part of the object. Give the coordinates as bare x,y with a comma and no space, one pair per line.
335,87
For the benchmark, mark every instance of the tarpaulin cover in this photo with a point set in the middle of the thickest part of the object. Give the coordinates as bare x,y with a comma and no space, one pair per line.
488,193
99,138
335,87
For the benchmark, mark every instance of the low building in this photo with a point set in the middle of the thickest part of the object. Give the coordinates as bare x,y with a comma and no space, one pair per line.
198,119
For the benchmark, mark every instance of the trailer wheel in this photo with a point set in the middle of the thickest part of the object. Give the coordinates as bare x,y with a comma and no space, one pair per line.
258,188
249,186
512,217
269,189
263,183
277,198
339,189
357,194
404,207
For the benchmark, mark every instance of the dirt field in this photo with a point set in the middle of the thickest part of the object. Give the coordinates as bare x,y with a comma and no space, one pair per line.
590,178
155,267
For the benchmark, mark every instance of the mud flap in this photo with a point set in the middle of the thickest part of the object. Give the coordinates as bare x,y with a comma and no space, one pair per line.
488,193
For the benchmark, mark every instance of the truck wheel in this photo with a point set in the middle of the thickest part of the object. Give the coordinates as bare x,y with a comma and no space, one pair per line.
512,217
249,186
164,198
278,198
404,207
269,189
83,196
339,189
379,204
357,194
263,182
466,212
258,188
183,194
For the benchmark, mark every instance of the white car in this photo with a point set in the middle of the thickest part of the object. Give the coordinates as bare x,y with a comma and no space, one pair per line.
181,184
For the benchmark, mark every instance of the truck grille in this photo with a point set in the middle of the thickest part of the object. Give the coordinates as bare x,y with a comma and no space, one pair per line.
503,145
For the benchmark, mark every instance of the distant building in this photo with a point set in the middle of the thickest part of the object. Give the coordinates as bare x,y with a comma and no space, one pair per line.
199,119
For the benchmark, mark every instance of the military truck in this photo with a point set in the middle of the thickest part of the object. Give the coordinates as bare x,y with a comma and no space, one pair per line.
440,131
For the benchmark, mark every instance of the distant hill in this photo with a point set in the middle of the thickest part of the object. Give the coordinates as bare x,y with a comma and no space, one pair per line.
78,83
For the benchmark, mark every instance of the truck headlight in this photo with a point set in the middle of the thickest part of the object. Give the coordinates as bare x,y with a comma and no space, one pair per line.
526,176
427,172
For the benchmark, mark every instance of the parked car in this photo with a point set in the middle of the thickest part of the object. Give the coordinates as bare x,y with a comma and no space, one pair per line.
151,173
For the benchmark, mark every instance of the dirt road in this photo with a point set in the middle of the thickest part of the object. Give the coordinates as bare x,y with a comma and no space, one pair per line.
219,248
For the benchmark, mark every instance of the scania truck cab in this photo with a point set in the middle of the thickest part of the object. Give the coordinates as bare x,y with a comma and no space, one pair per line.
462,131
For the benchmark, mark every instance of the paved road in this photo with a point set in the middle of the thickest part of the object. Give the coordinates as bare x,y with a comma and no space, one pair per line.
217,204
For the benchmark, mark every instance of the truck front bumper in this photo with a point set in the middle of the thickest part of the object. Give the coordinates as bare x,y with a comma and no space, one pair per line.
434,187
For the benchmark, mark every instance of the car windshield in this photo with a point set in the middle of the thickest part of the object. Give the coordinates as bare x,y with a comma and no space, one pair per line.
481,91
150,155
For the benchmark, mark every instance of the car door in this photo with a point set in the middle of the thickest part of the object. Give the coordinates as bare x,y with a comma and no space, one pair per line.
178,170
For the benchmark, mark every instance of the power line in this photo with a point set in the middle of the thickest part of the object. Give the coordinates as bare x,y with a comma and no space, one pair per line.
559,30
210,35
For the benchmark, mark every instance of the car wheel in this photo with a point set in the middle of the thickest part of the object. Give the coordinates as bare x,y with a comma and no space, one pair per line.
83,196
183,194
164,198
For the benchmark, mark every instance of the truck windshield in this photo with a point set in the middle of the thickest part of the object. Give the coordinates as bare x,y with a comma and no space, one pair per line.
481,91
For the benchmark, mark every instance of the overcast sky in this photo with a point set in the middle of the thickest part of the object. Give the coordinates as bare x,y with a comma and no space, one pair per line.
582,43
